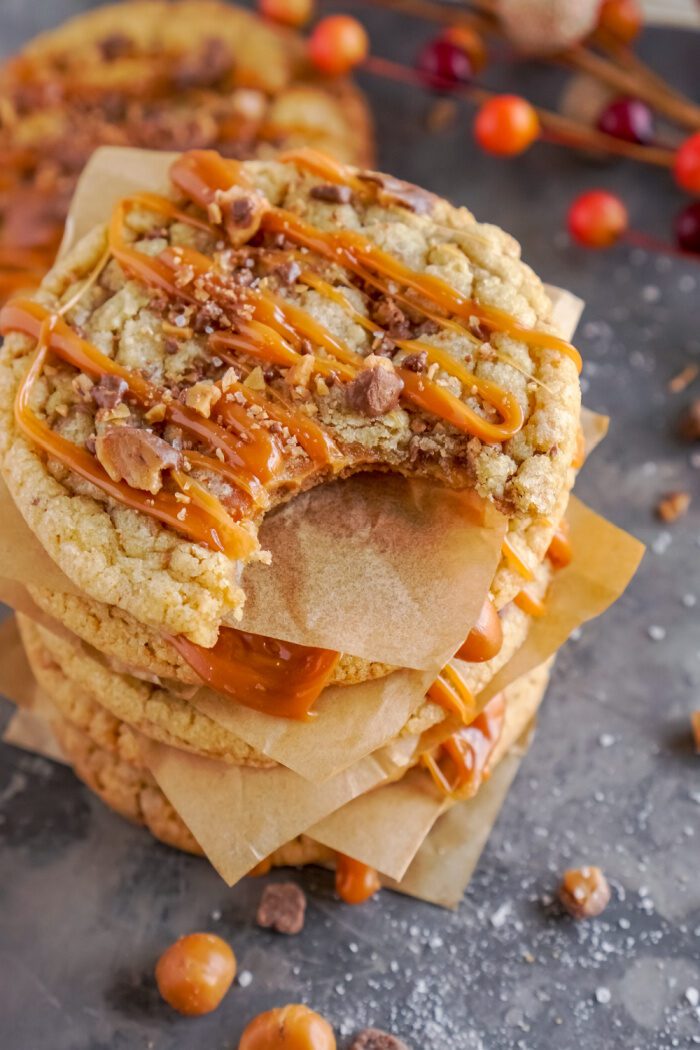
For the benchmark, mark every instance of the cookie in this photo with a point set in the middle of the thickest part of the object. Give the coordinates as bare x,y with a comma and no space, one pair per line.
159,76
117,775
304,323
82,684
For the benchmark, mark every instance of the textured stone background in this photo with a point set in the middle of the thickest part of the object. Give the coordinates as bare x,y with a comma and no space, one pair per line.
88,902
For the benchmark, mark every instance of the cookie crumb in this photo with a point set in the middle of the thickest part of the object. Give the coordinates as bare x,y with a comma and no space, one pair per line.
584,892
282,908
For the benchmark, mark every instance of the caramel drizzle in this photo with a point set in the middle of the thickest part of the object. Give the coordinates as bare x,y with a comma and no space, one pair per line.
250,458
275,677
530,605
449,690
459,764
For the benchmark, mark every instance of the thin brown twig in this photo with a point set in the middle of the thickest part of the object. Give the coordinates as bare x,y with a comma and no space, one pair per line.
625,73
557,128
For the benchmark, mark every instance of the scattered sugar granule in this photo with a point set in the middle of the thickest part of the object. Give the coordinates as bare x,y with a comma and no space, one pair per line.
245,978
656,632
603,996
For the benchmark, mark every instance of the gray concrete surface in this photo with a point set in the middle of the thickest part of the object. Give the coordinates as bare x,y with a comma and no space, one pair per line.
88,902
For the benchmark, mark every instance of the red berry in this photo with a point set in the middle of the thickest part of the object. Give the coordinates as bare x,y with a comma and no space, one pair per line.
621,18
597,219
687,228
506,125
629,119
444,64
469,41
338,44
686,168
290,12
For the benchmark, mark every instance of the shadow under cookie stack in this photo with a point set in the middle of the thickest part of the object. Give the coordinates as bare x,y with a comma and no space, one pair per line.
289,451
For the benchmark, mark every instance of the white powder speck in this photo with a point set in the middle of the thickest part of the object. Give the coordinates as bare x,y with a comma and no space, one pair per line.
650,293
602,996
606,740
354,948
693,996
245,978
500,916
689,600
661,543
687,283
216,914
656,632
576,634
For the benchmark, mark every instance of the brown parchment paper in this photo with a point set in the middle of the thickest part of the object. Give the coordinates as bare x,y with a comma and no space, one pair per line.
386,827
446,861
240,815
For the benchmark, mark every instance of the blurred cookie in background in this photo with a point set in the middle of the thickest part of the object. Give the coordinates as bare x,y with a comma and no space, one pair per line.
158,75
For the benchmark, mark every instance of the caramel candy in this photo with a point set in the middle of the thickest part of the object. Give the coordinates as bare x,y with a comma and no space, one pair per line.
584,892
292,1027
355,882
195,973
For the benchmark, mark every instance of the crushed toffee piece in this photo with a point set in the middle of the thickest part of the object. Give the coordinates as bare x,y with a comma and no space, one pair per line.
673,506
375,391
584,892
332,193
137,457
376,1039
282,908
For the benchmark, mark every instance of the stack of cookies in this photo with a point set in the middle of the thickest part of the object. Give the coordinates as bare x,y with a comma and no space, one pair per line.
204,373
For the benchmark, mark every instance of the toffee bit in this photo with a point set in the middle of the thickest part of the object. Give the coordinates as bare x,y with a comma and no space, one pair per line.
695,726
242,213
584,892
673,506
376,390
689,424
155,414
332,193
390,316
282,908
109,391
177,330
255,380
82,385
683,379
376,1039
288,272
415,362
137,457
202,397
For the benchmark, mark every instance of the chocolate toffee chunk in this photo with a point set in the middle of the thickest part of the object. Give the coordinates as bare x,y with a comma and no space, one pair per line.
376,1039
229,333
282,908
584,892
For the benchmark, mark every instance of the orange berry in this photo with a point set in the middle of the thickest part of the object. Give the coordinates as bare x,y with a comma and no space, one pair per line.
338,44
293,1027
194,974
686,167
621,18
469,41
290,12
506,125
597,219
